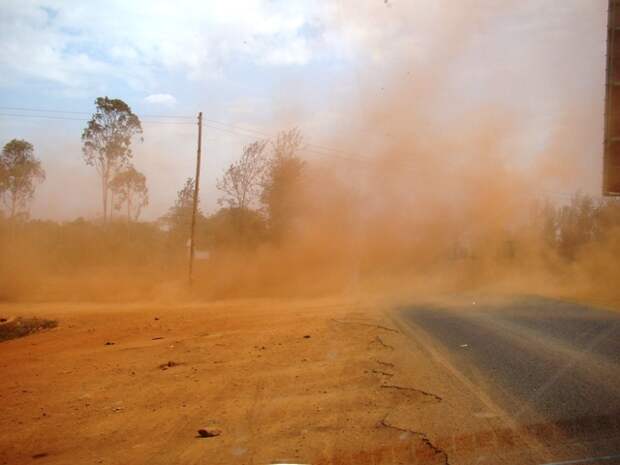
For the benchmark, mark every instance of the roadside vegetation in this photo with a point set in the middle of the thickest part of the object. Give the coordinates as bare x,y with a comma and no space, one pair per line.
20,327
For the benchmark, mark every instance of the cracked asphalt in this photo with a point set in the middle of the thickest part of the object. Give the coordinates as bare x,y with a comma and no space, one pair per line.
552,367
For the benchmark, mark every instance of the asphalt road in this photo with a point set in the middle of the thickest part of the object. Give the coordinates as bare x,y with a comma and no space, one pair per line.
551,366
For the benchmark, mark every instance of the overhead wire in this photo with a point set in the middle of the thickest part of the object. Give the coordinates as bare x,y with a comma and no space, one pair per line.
67,118
49,110
213,124
209,122
235,130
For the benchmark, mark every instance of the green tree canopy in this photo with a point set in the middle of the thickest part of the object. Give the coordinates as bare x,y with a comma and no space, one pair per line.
241,182
179,216
19,171
129,187
107,141
282,182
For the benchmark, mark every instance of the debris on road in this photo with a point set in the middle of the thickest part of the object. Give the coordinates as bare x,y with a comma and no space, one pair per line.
169,364
208,433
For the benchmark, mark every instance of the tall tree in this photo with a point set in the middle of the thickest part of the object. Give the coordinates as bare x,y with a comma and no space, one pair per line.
19,171
107,141
576,224
287,143
241,182
179,216
129,187
281,184
234,228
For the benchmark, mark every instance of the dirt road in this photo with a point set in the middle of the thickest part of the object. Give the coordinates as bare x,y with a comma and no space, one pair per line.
309,381
303,381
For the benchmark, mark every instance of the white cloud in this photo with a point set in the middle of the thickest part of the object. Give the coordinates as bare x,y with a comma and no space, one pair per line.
77,44
161,99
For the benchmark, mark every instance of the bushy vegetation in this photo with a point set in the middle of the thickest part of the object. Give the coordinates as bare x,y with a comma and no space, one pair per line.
575,245
571,229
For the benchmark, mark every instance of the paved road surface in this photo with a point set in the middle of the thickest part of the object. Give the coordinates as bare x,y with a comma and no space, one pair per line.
541,361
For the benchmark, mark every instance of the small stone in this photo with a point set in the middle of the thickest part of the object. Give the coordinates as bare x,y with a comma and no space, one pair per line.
170,364
109,343
307,336
208,433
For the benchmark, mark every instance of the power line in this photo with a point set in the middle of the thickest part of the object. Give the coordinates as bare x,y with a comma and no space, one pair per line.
314,149
42,116
215,124
46,110
43,110
66,118
254,132
309,148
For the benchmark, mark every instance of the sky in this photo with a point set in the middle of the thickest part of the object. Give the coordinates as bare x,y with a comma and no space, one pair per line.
255,67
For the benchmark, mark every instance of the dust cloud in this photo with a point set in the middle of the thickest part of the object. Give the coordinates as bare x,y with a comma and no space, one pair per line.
425,196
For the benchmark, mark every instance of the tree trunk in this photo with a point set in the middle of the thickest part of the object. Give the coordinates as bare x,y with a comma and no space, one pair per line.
128,208
13,204
111,204
104,193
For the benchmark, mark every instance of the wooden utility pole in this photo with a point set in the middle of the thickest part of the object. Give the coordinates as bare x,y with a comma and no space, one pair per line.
195,206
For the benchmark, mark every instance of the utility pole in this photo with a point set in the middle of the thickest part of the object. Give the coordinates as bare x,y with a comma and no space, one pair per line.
195,206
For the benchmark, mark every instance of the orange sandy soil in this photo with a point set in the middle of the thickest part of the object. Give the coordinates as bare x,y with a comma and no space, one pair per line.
356,391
